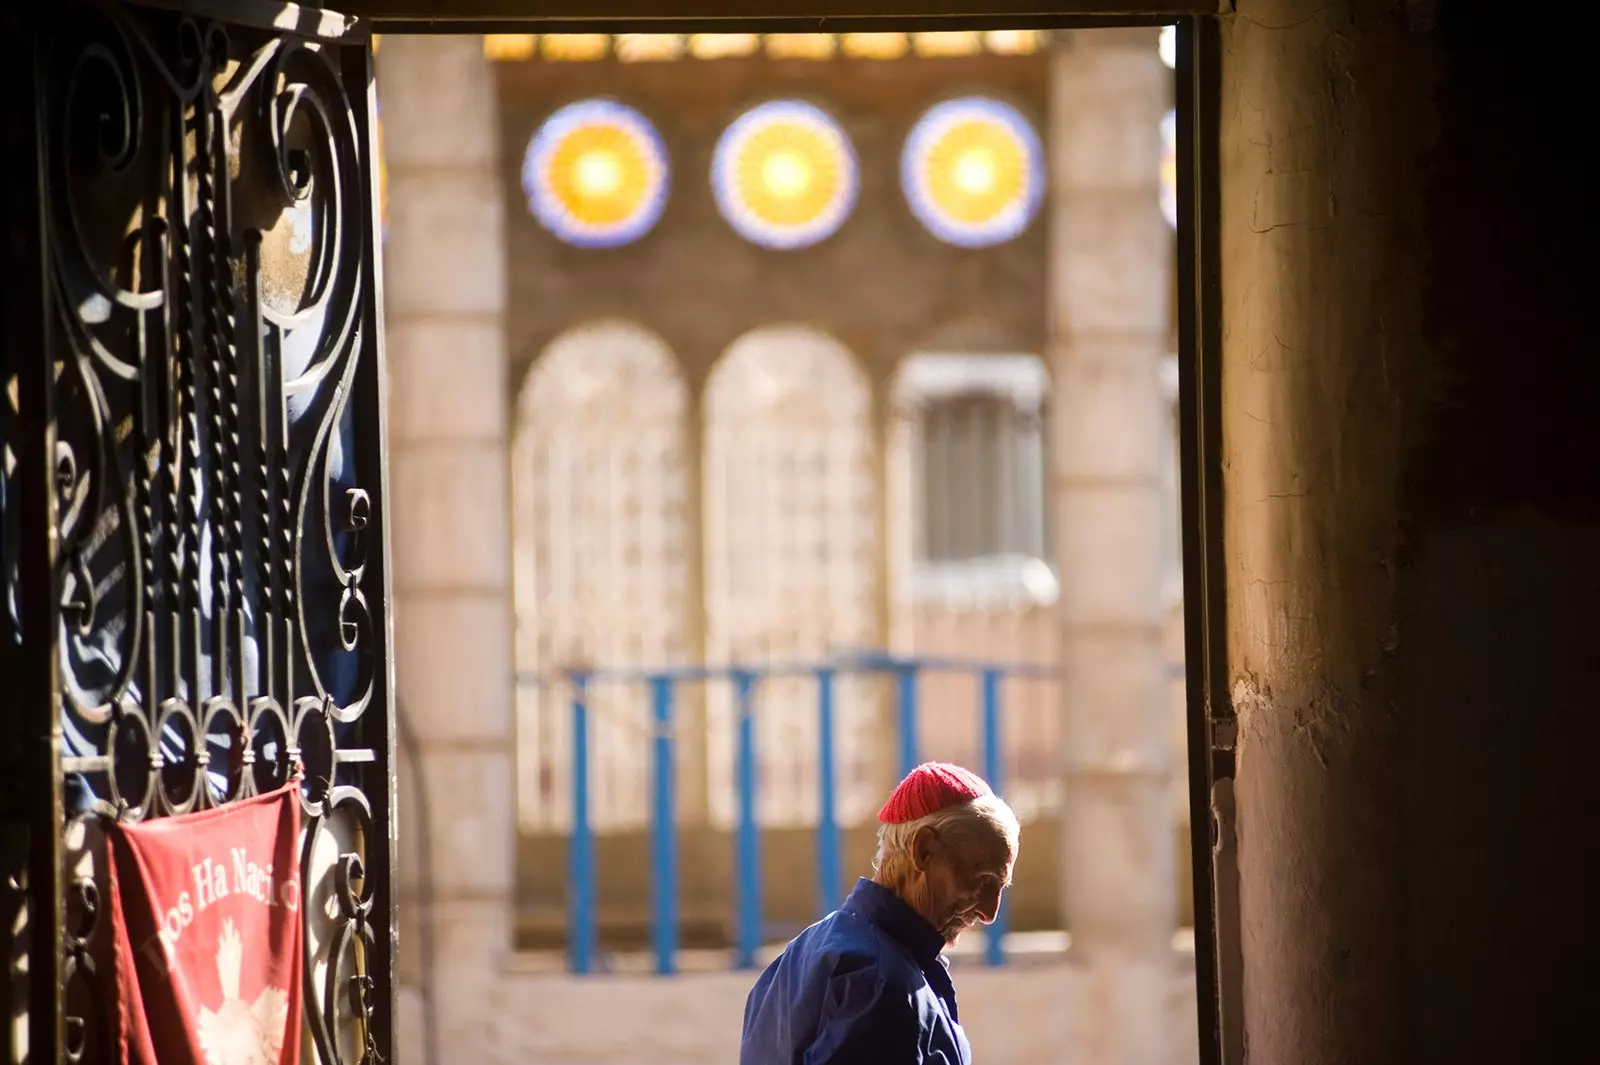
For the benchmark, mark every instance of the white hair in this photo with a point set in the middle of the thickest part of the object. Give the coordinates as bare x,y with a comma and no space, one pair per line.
988,813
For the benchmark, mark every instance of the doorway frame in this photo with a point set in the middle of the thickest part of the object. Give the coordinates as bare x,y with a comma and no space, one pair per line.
1210,722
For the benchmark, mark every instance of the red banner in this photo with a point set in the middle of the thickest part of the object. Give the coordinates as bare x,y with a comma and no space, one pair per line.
205,911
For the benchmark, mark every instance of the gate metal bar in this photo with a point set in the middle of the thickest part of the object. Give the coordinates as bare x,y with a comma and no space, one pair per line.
193,557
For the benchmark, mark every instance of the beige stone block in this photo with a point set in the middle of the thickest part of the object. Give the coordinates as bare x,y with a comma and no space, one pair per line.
1178,741
1112,261
450,530
471,941
1100,156
1143,40
1029,1013
438,102
1118,884
1123,1013
409,1028
1108,551
1112,704
689,1018
1018,1014
448,379
469,817
1107,408
409,958
444,253
1183,1015
1106,105
453,667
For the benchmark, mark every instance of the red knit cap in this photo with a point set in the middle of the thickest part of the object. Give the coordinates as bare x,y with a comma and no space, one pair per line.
929,788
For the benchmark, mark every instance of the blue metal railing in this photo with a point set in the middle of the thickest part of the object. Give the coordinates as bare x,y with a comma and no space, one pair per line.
662,685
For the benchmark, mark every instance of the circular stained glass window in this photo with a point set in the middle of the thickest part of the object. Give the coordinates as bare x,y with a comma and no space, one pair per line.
784,175
596,174
1169,168
973,172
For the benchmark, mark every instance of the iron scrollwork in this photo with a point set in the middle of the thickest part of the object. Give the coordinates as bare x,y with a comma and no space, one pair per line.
219,607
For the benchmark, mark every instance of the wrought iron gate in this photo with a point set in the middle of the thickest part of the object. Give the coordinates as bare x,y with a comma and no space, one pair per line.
193,572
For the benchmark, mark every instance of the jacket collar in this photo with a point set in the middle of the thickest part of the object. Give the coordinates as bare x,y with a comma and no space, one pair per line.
881,907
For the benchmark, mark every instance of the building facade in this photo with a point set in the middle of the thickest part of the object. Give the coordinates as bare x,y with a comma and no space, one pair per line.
727,449
710,338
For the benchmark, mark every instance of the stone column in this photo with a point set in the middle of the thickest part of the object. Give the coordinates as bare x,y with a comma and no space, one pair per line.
445,303
1110,262
1411,518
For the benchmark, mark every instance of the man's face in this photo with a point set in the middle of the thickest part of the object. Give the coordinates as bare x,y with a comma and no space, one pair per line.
964,879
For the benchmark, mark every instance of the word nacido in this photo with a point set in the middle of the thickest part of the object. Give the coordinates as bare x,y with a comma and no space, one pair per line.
215,880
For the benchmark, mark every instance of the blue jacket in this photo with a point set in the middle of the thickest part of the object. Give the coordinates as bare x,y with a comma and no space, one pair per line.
866,985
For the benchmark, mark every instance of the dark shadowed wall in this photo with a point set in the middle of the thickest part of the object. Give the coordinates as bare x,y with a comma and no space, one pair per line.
1410,419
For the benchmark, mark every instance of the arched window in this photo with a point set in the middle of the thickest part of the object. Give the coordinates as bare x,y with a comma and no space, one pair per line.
791,526
600,562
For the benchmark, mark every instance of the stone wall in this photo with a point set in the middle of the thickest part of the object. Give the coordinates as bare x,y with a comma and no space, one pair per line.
700,286
789,883
1028,1014
445,297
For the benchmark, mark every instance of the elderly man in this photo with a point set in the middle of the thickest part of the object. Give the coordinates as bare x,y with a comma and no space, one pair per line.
869,984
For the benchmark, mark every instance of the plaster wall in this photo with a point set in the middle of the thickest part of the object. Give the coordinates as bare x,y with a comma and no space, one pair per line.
1408,384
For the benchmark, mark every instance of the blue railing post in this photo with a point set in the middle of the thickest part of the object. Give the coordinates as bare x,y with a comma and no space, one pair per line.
664,859
580,856
827,820
993,765
906,702
749,854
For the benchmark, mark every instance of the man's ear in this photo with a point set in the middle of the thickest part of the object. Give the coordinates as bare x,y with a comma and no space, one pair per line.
924,845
